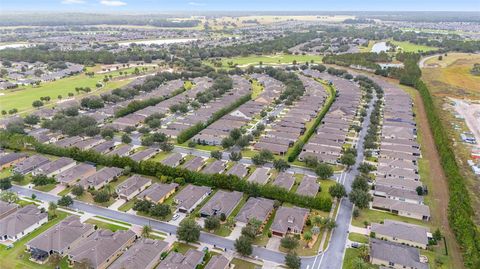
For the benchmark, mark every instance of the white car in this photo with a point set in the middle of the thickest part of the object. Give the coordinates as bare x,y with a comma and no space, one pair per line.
175,217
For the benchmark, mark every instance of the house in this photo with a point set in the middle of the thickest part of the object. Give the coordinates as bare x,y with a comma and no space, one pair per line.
194,164
60,238
395,255
289,220
88,143
122,151
21,222
132,186
101,178
158,192
401,232
104,147
284,180
144,154
218,262
173,160
255,208
78,172
188,198
222,202
28,165
308,186
239,170
101,248
7,161
176,260
260,175
216,167
7,209
398,194
401,208
55,167
144,254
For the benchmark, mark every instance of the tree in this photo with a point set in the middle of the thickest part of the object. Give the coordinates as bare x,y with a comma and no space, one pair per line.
292,260
160,210
243,245
347,159
5,184
337,190
289,242
126,139
146,230
101,196
360,198
31,119
324,170
235,156
419,190
37,103
17,177
437,235
307,236
281,165
188,230
42,180
77,190
107,133
358,263
52,207
216,154
8,196
364,252
212,223
361,183
65,201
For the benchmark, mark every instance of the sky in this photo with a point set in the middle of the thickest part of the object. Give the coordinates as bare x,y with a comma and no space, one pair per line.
238,5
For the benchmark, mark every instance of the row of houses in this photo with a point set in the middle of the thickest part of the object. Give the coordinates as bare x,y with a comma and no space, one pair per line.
214,133
327,143
397,182
101,248
241,87
285,132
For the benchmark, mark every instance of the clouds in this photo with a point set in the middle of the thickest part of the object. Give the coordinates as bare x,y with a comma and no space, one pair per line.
197,4
113,3
72,2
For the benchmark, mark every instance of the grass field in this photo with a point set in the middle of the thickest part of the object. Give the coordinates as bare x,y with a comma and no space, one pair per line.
269,60
243,264
360,238
22,97
410,47
451,76
105,225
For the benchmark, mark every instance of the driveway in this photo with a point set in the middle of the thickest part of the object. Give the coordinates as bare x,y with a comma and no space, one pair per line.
236,232
180,218
117,204
57,189
274,243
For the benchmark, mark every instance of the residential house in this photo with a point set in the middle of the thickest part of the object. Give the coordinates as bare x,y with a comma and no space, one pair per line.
255,208
222,202
239,170
176,260
132,186
260,175
144,154
158,192
194,164
7,209
101,178
78,172
401,208
401,232
55,167
8,160
31,163
218,262
308,186
21,222
144,254
284,180
395,255
216,167
101,248
173,160
192,195
122,151
60,238
289,220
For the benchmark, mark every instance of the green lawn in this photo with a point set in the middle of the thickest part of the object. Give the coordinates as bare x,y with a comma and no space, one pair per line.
104,225
360,238
22,97
325,185
182,247
410,47
16,257
45,188
270,59
127,206
243,264
257,89
370,216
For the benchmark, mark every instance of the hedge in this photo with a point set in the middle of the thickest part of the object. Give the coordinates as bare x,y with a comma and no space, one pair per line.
152,168
460,211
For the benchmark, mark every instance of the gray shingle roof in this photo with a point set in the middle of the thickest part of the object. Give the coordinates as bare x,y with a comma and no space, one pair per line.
255,208
402,230
398,254
221,202
141,255
20,220
157,191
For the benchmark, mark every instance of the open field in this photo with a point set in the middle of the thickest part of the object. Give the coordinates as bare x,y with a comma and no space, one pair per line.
269,60
22,97
451,76
410,47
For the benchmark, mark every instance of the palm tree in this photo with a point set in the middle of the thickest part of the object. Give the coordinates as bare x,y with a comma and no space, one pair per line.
307,236
108,188
52,206
146,230
364,252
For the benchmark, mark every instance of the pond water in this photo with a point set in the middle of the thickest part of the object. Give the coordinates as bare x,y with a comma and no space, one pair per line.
380,46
